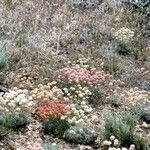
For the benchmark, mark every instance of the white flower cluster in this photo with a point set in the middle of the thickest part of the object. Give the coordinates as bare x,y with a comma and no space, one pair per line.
132,147
124,34
113,144
81,63
15,101
133,95
78,92
79,113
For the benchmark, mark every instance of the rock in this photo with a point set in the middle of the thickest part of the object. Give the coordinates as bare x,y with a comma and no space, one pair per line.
95,119
145,126
146,112
138,129
83,147
146,117
106,143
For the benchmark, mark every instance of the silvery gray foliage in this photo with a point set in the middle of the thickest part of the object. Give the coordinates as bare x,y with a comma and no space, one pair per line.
51,146
84,4
80,135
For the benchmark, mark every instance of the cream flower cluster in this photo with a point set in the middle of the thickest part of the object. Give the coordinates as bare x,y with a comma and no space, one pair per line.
114,144
124,34
81,63
79,113
77,92
22,80
132,96
48,92
15,101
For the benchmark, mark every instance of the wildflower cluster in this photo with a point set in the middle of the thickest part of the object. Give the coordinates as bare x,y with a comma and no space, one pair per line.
78,77
15,100
78,92
124,34
36,145
81,63
23,80
75,75
113,144
79,113
48,92
132,96
52,109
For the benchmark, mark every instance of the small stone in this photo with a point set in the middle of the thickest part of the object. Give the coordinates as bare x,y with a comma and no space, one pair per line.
116,142
95,119
82,147
112,138
132,146
106,143
145,125
146,116
112,148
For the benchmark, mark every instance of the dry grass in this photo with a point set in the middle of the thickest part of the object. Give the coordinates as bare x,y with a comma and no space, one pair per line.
48,33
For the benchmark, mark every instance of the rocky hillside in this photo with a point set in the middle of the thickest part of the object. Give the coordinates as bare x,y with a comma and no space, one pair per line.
74,75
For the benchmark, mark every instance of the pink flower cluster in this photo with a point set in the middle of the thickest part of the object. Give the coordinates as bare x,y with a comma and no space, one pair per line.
36,145
80,75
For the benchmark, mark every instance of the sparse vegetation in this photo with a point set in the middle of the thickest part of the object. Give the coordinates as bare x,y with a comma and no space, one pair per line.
123,48
80,135
2,56
123,129
55,126
64,64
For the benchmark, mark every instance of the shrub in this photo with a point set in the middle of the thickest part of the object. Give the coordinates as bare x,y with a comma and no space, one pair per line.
111,66
121,127
55,126
96,96
125,48
3,131
18,121
141,6
8,3
141,143
130,119
13,121
43,73
80,135
2,57
137,111
83,5
52,109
